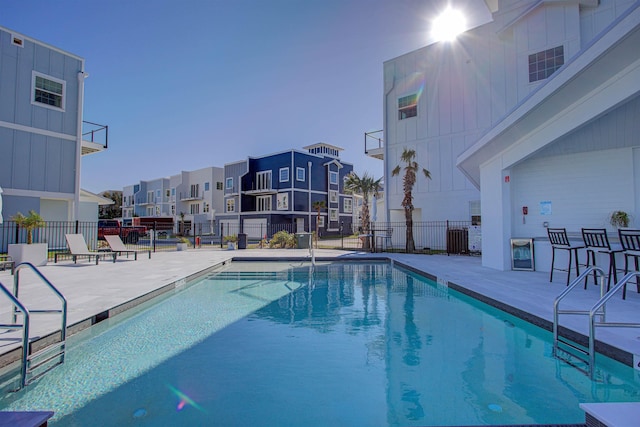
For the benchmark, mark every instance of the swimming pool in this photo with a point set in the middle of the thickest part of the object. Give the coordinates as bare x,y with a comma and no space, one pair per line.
347,344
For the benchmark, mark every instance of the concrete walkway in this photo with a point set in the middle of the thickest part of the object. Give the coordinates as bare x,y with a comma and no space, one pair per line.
96,292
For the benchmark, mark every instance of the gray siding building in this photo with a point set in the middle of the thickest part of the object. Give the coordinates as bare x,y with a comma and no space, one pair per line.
41,129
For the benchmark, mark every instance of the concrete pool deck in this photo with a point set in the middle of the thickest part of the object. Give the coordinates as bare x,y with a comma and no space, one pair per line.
95,292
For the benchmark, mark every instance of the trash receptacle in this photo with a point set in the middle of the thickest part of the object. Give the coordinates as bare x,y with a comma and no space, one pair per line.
242,241
303,240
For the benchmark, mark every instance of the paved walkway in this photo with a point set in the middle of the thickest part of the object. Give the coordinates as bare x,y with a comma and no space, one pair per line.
95,292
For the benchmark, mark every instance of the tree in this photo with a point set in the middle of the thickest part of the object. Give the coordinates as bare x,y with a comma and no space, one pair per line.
408,181
365,186
114,210
318,206
29,223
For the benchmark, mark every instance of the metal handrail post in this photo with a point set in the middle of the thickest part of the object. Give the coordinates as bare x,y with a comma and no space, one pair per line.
563,294
25,332
602,304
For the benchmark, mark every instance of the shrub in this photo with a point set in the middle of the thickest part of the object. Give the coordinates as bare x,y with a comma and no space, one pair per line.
283,239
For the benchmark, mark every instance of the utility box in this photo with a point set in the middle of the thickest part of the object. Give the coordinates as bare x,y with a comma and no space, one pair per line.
242,241
303,240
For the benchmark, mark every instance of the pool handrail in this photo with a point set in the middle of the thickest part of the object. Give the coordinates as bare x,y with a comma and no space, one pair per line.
18,307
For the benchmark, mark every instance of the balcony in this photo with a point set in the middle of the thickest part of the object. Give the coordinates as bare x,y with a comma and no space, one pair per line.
95,138
374,145
191,197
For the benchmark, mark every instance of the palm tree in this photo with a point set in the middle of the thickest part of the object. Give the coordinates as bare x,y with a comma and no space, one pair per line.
318,206
365,186
29,223
410,169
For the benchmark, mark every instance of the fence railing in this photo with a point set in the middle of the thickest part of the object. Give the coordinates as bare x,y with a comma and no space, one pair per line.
451,237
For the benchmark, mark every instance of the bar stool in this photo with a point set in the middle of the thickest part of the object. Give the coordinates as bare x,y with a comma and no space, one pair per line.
596,241
560,241
630,241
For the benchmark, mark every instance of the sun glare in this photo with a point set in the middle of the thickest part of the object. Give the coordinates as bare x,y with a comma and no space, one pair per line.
448,25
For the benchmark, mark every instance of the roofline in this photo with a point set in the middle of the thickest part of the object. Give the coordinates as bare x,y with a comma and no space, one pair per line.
41,43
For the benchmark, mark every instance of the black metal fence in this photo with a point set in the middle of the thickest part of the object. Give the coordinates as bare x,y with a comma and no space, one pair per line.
451,237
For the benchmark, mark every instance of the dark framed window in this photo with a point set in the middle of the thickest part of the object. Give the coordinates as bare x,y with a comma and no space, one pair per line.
545,63
407,107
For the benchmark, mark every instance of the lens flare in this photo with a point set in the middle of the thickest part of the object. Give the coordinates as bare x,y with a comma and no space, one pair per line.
184,400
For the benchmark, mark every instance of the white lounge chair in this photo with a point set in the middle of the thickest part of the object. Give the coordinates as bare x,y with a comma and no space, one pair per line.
117,246
78,248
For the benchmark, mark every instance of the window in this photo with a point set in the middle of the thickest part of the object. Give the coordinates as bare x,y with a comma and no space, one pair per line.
333,196
284,174
167,193
206,186
173,194
150,211
407,107
320,221
173,209
194,191
194,208
348,205
333,177
263,203
333,214
205,207
48,91
263,180
300,174
229,183
545,63
150,197
158,194
218,185
231,205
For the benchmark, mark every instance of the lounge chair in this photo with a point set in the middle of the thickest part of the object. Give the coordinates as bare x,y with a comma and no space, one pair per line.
117,246
78,248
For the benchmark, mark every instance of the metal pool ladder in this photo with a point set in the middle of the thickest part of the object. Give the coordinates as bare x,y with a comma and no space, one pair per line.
35,365
588,355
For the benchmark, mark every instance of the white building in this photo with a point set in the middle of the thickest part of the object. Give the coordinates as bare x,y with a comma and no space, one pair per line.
192,196
532,118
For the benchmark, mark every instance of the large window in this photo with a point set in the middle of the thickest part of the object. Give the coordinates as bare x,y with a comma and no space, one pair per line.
229,183
194,191
195,209
149,196
264,203
231,205
263,180
545,63
407,107
333,196
48,91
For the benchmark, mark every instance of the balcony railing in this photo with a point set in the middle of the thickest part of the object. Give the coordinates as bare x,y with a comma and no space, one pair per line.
95,137
186,197
374,144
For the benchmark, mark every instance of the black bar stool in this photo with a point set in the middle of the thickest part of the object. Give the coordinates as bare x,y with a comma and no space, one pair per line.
596,241
560,241
630,241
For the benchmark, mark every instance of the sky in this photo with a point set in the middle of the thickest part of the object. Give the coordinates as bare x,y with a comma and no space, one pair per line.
189,84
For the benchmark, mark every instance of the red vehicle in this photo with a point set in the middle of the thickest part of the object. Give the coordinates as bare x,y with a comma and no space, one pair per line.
108,227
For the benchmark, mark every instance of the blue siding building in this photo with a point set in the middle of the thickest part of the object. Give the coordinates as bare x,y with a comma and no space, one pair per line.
281,189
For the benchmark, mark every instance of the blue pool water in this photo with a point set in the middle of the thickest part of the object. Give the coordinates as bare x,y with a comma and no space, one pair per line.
350,345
